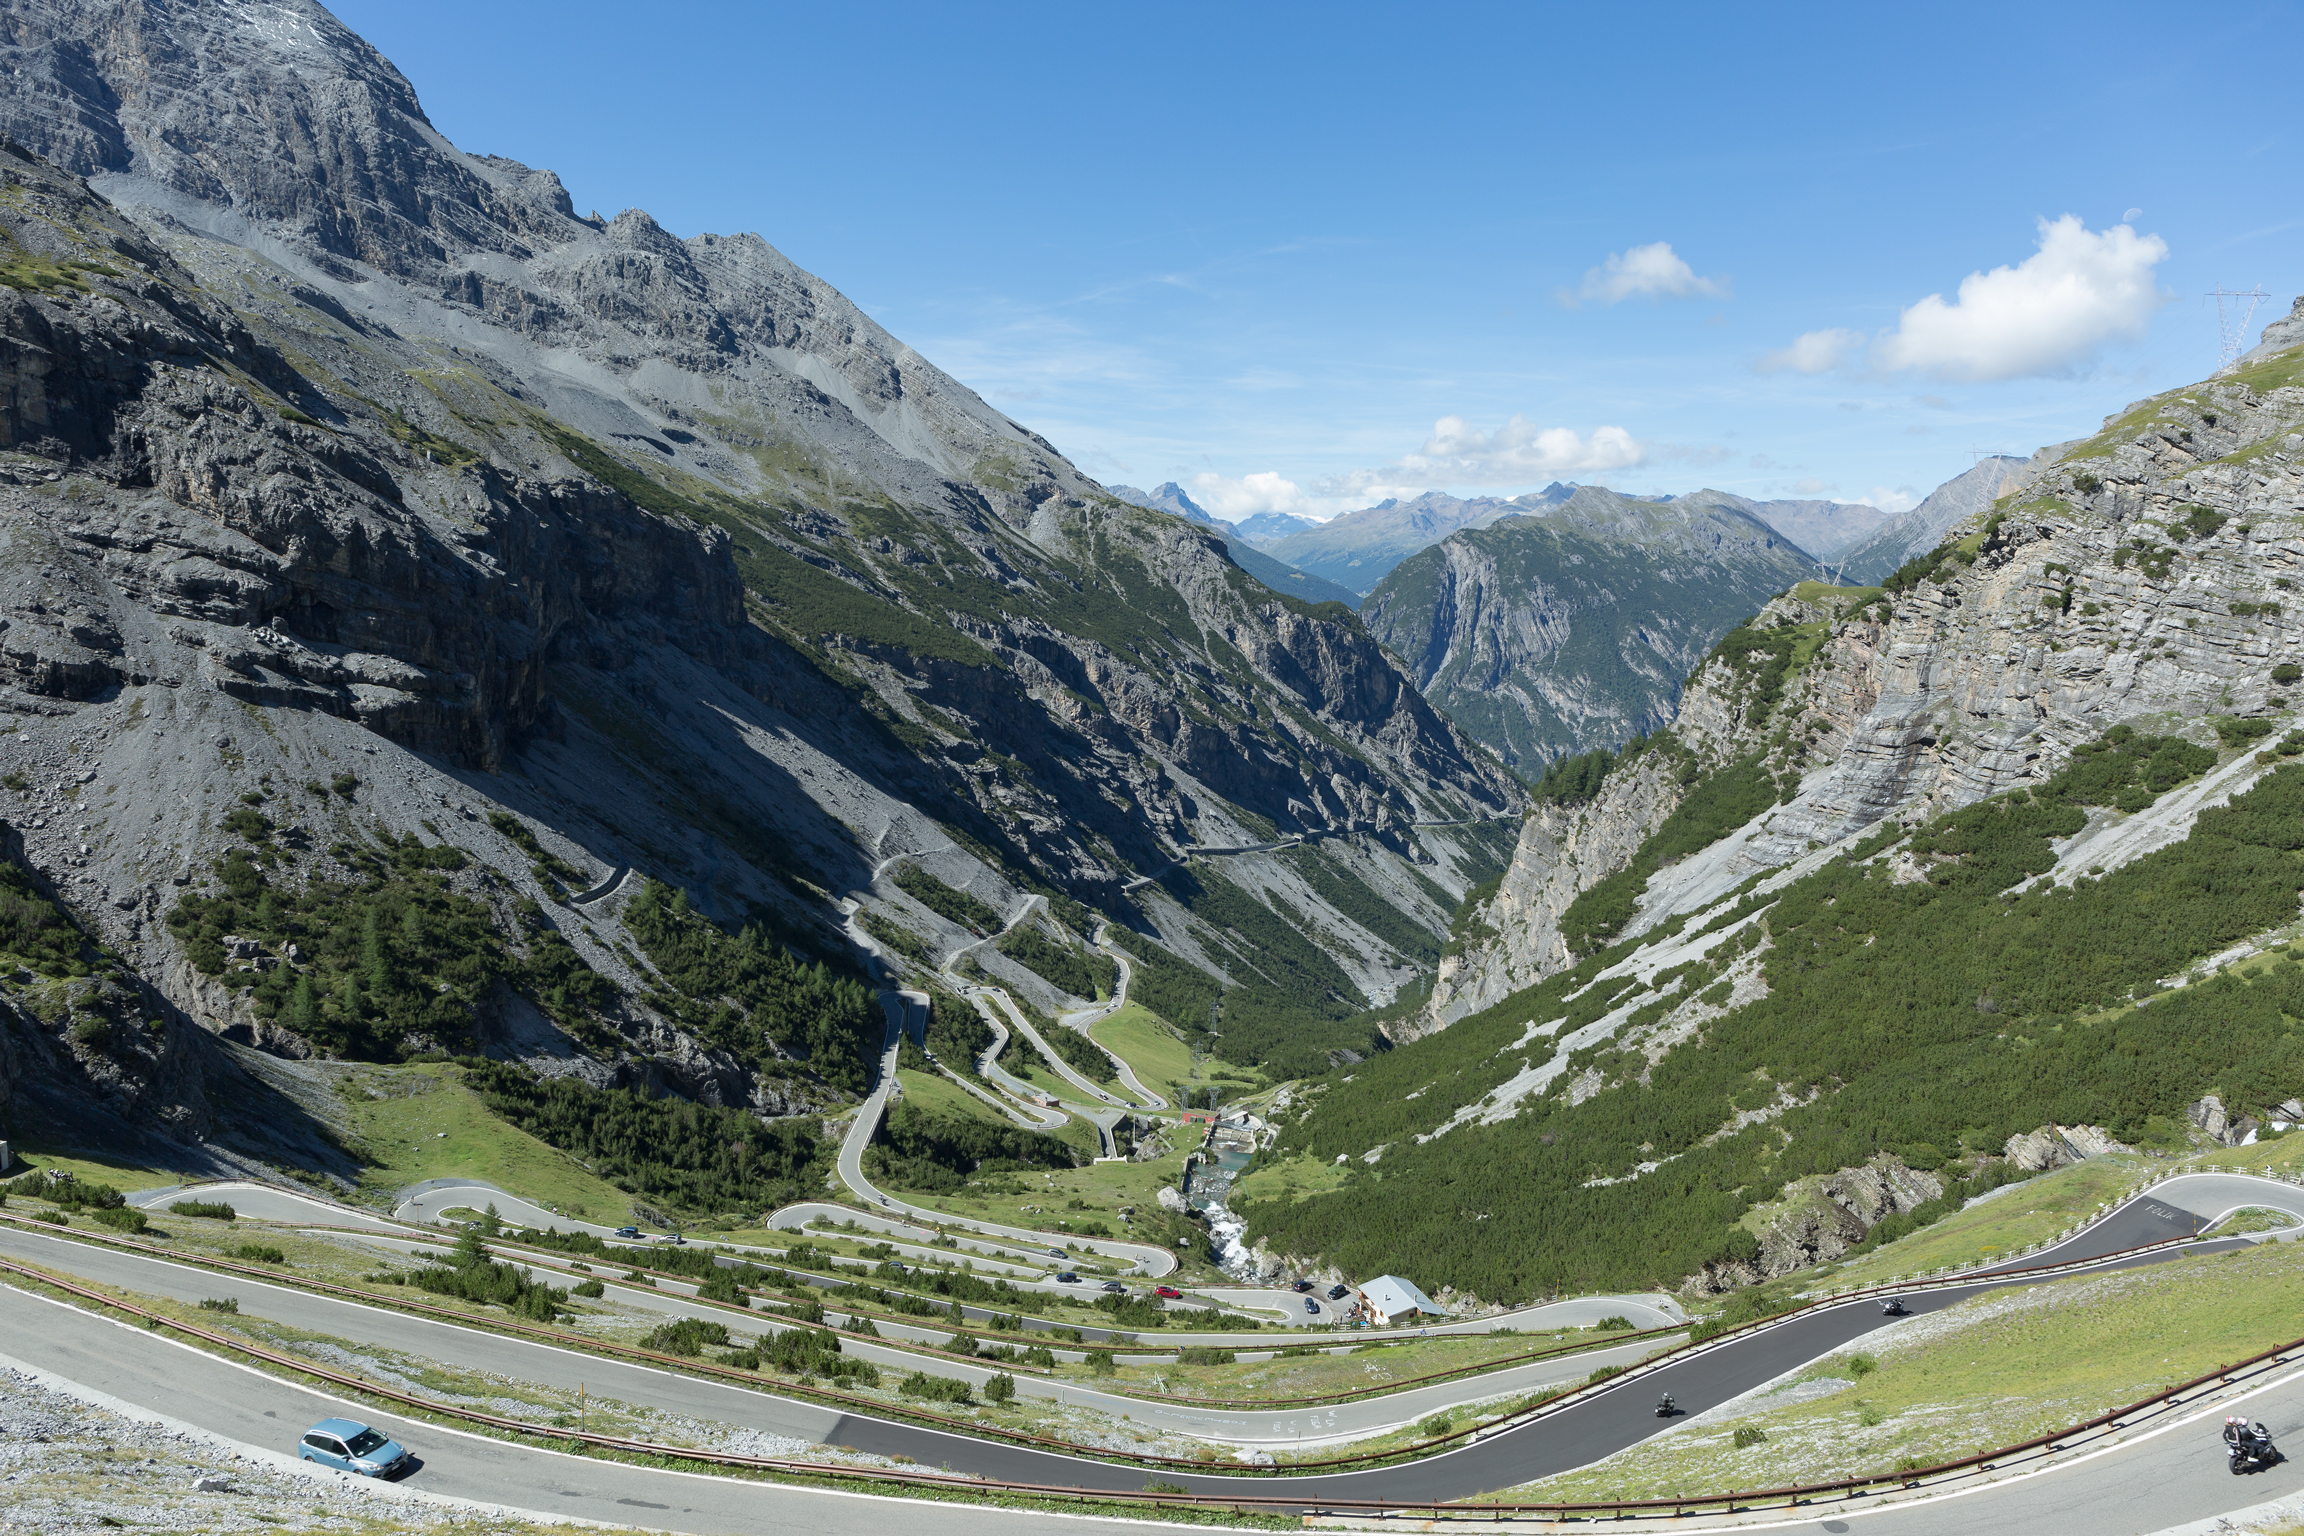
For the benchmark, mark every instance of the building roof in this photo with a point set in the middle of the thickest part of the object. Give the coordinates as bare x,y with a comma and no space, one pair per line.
1391,1295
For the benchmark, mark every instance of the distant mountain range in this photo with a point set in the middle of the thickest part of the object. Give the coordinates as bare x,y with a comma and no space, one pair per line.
1357,549
1549,634
1276,574
1822,528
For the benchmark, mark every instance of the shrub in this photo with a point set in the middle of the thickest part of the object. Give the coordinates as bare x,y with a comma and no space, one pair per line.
1101,1363
2234,732
1749,1435
953,905
720,1285
1436,1426
1614,1325
96,1034
1861,1366
2287,672
220,1304
121,1218
1200,1354
687,1336
260,1253
935,1389
590,1290
1000,1389
78,1194
213,1210
1604,1372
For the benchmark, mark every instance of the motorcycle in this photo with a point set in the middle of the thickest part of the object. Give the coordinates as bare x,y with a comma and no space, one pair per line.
1891,1307
1665,1407
2248,1447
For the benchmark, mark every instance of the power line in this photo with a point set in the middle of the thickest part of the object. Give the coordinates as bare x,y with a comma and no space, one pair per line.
2232,317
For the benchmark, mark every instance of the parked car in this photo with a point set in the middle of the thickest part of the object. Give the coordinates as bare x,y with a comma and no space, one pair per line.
1339,1292
1167,1293
1067,1278
1311,1306
1301,1285
1115,1286
627,1231
350,1447
1055,1253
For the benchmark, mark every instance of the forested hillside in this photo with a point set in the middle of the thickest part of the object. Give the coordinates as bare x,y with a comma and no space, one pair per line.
1912,873
1929,1017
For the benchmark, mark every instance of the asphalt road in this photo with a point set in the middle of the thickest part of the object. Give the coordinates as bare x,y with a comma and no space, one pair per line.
264,1202
2134,1489
259,1410
1147,1259
1606,1423
672,1298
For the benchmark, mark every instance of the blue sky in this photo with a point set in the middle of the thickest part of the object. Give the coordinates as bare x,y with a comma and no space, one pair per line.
1299,257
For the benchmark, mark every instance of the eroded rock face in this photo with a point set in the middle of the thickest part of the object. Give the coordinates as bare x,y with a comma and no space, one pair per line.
2060,1146
2145,575
1825,1223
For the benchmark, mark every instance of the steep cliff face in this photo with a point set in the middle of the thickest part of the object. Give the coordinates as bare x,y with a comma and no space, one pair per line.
2141,576
369,521
1548,636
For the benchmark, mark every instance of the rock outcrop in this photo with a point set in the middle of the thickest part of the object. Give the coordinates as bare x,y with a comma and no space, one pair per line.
2060,1146
1823,1219
2142,575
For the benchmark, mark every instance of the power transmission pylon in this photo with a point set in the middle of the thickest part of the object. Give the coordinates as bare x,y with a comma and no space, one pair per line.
2235,307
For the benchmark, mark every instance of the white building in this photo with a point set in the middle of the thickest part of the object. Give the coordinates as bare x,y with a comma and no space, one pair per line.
1391,1299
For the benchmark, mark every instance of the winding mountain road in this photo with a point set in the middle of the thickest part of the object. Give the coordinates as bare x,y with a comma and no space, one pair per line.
2167,1474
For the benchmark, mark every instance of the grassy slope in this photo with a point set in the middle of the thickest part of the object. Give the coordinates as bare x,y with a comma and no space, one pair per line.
2041,1207
1147,1043
399,1114
939,1095
120,1175
1994,1370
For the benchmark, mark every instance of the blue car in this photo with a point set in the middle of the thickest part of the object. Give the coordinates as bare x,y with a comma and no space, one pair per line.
350,1447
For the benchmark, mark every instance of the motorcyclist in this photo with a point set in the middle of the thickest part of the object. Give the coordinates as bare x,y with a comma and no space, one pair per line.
1665,1407
1891,1306
2248,1446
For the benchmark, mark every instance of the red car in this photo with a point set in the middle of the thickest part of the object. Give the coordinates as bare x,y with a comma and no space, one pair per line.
1167,1293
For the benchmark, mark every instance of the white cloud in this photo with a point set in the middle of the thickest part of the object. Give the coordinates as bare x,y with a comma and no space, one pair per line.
1650,271
1814,352
2047,314
1893,499
1266,491
2050,312
1458,453
1455,453
1812,487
